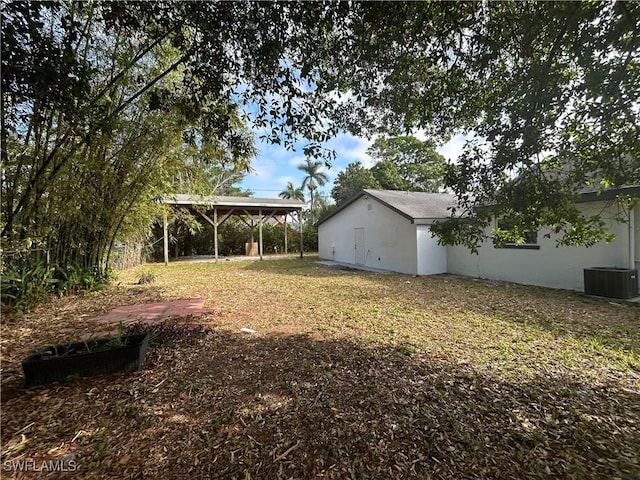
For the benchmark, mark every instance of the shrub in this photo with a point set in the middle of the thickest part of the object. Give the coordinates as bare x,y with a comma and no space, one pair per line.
75,279
21,289
147,276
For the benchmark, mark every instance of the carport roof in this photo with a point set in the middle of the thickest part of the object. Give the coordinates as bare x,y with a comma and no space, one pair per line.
225,203
419,207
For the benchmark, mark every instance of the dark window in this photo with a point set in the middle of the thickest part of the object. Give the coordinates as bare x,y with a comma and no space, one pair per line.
530,238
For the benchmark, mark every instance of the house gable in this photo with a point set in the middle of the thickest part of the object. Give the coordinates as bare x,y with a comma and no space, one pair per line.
382,229
417,207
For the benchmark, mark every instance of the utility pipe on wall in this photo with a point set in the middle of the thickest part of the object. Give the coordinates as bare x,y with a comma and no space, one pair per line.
632,239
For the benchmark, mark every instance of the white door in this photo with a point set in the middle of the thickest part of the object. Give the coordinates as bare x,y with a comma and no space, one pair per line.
359,246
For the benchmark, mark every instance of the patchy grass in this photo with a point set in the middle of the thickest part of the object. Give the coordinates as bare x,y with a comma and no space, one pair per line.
349,375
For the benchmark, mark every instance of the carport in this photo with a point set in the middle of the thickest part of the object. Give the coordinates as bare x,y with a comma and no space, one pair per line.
217,209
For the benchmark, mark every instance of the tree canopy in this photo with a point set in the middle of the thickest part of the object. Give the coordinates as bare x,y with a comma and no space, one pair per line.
314,178
418,167
350,181
292,192
402,163
545,91
97,121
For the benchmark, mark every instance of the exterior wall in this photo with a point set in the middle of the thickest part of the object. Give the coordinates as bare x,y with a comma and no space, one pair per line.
432,258
550,266
389,238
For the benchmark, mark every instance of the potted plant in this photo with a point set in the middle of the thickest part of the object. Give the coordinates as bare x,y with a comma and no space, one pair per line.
59,363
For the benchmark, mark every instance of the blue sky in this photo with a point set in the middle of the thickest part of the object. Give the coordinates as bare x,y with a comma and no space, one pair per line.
275,166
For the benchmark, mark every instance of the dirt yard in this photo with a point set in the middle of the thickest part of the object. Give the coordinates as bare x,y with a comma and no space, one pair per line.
347,375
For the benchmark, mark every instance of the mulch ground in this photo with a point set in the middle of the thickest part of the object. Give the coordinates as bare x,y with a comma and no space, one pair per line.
355,376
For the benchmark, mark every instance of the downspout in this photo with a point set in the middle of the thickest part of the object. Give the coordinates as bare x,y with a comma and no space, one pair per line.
632,239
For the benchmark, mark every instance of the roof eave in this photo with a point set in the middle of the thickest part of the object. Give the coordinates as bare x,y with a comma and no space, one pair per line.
609,194
427,221
232,202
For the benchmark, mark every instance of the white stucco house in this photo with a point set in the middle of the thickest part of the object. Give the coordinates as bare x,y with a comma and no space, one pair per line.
389,230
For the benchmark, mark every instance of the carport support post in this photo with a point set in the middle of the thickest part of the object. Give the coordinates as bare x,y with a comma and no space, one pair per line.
260,230
285,232
301,242
165,238
215,233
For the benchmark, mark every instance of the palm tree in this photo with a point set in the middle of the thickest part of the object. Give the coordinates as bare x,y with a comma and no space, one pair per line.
291,192
313,179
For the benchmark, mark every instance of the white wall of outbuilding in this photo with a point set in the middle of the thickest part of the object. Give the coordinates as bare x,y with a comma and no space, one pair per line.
392,242
389,238
550,265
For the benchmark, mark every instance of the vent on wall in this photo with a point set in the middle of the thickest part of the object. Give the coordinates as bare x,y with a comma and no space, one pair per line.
369,206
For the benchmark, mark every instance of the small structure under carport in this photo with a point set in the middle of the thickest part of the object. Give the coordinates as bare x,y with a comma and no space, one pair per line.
387,230
217,209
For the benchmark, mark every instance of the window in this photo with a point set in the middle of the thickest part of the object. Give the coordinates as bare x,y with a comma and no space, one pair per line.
530,237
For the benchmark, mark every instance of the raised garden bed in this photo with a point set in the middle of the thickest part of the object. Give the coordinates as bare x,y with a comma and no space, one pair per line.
59,363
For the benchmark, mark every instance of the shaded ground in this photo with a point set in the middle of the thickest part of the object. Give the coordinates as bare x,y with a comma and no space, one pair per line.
349,375
152,312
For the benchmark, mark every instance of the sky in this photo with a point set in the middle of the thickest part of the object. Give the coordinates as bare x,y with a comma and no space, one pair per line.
275,166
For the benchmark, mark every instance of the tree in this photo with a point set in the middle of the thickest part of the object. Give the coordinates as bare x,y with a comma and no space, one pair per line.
314,177
292,192
213,163
402,163
97,122
386,174
418,167
545,91
349,182
323,210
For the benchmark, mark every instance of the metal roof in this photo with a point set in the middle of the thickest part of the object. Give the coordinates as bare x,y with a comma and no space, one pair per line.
225,203
418,207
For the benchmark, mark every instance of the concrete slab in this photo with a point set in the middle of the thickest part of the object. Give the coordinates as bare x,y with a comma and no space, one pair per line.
234,258
152,312
331,263
632,301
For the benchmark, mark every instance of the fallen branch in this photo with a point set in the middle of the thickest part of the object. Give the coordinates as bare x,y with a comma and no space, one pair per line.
287,452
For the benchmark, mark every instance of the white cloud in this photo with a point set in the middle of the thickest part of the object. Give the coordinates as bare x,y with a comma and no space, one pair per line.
262,168
285,179
350,149
275,166
295,161
453,148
